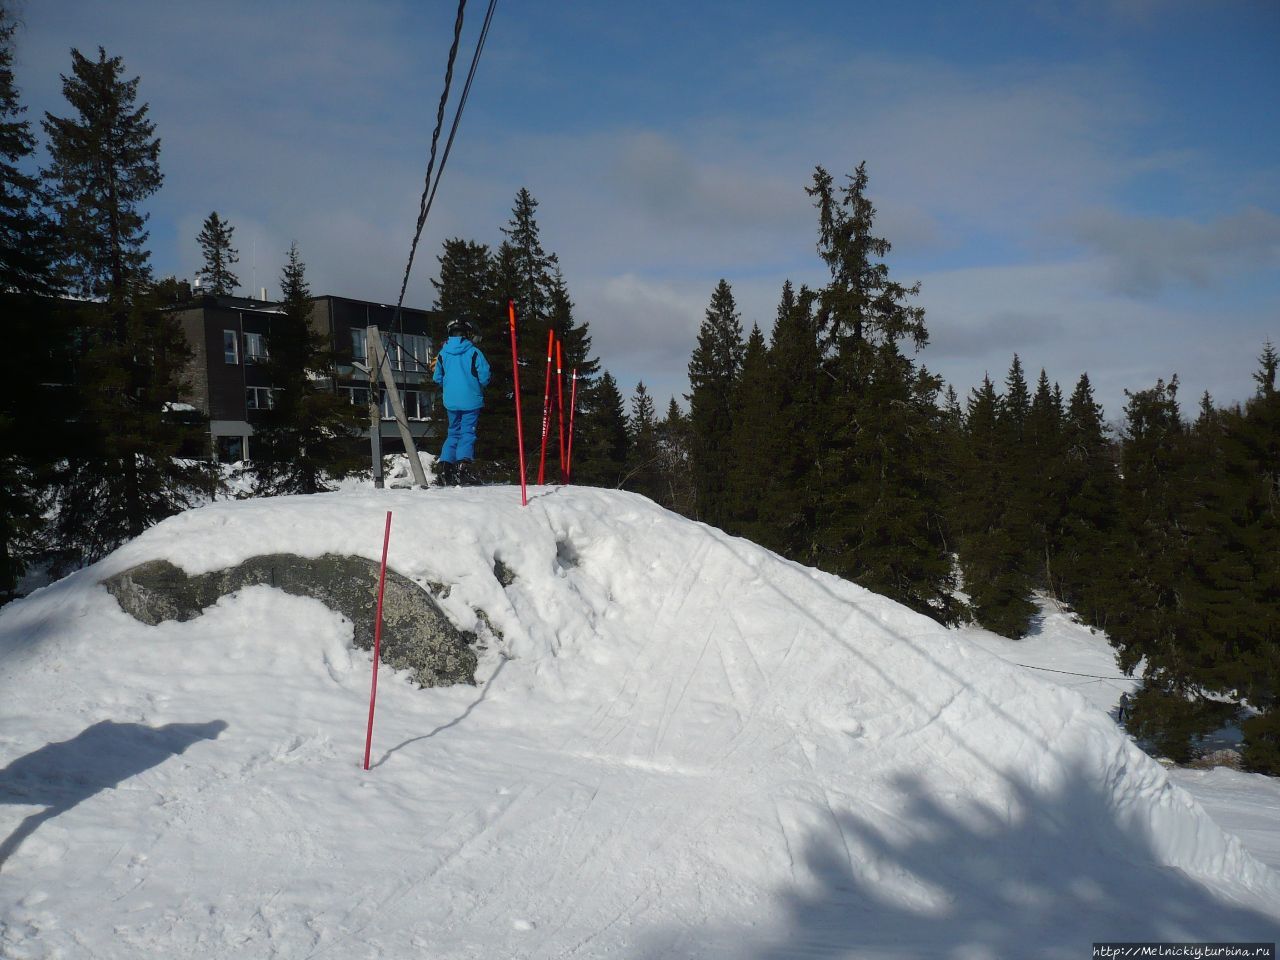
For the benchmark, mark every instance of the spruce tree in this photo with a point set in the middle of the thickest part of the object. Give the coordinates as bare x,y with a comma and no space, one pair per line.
677,490
753,437
219,255
1148,617
27,257
1239,609
29,436
878,512
1042,442
310,435
644,467
991,560
1088,545
713,373
104,165
530,269
466,287
124,473
601,446
526,273
793,433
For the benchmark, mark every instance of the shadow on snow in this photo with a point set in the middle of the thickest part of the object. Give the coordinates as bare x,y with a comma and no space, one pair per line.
958,879
60,775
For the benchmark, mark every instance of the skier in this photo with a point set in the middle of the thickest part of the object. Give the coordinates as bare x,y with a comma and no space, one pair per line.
1123,712
463,373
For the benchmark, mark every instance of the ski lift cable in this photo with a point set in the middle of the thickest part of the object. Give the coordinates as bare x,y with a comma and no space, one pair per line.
429,187
462,102
431,162
1070,673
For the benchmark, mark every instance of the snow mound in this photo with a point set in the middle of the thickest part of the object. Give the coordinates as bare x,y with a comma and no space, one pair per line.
681,746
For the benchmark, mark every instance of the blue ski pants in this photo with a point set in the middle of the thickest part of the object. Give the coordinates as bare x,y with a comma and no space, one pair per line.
460,443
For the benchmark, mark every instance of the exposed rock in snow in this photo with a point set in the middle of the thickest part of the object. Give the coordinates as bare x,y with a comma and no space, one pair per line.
416,635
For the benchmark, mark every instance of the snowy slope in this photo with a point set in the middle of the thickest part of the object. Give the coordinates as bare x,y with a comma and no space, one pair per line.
695,749
1067,653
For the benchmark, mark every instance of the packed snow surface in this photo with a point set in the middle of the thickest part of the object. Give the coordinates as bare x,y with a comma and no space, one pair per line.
680,746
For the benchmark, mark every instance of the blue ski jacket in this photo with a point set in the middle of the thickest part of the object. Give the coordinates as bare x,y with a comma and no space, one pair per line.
463,372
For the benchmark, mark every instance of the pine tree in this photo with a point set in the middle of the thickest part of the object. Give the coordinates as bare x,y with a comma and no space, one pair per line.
123,474
713,373
219,255
879,498
309,436
645,456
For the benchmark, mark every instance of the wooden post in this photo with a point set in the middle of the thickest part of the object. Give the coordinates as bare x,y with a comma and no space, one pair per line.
373,341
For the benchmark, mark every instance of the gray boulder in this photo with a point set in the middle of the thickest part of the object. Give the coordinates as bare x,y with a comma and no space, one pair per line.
416,634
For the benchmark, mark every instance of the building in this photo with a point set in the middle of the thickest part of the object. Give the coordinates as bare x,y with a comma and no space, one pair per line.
229,382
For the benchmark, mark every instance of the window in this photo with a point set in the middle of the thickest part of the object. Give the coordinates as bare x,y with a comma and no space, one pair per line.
415,353
359,396
259,398
359,351
230,449
230,346
408,352
255,348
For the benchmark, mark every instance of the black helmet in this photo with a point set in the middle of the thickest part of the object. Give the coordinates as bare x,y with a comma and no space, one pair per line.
461,327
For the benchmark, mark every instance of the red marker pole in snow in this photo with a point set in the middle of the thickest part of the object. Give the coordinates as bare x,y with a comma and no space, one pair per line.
377,640
515,377
546,411
573,405
560,409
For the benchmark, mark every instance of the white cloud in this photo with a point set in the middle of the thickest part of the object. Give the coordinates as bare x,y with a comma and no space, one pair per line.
1061,316
1147,254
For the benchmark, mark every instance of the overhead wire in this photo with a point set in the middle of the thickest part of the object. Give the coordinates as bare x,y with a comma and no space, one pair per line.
431,162
430,187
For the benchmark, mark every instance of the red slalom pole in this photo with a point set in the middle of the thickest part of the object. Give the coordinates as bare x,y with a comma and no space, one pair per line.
377,640
546,411
560,410
573,406
515,377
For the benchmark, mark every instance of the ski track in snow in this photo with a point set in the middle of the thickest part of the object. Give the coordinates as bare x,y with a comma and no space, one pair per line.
695,750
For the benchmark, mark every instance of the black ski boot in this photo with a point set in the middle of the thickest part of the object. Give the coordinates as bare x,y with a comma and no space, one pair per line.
446,473
466,475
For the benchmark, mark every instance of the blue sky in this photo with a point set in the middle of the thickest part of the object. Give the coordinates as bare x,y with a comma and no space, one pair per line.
1094,185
